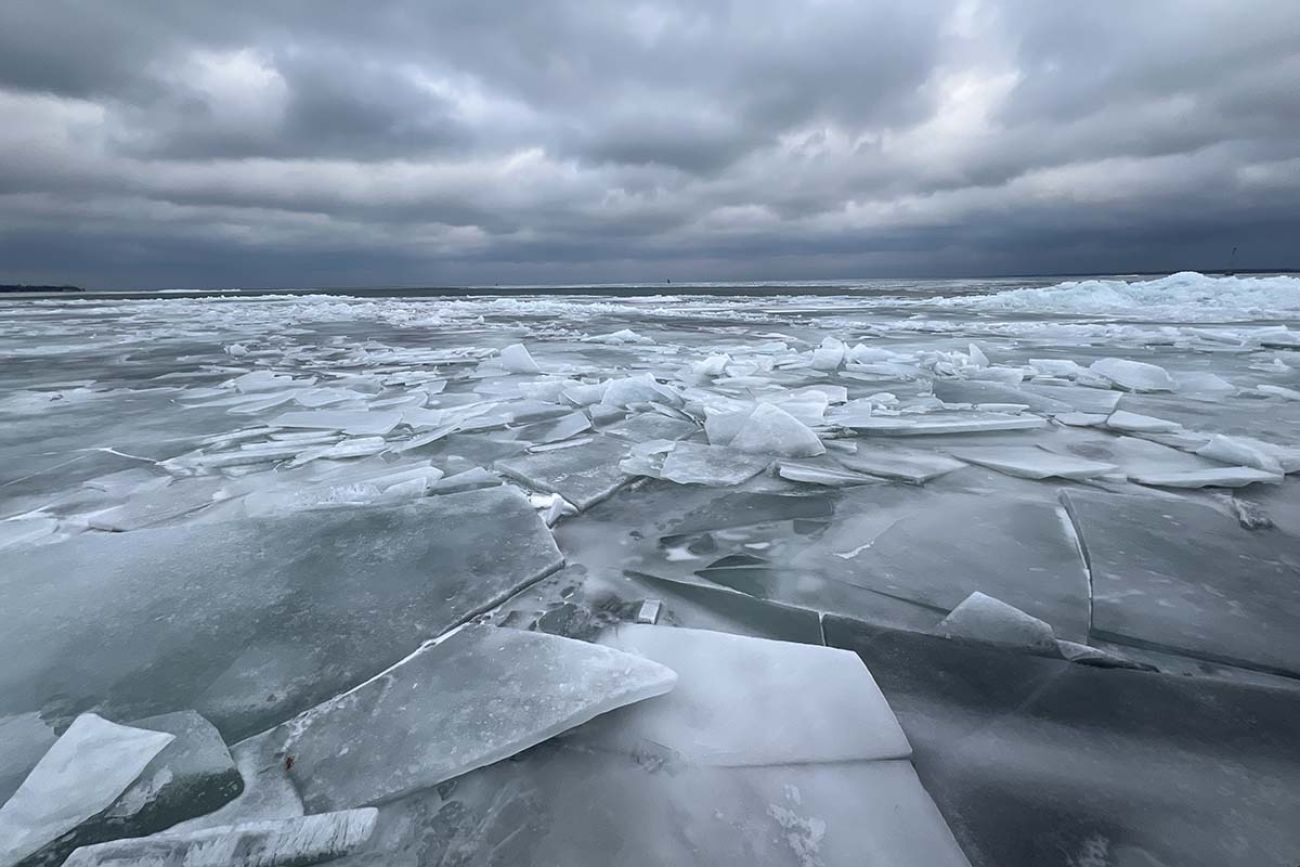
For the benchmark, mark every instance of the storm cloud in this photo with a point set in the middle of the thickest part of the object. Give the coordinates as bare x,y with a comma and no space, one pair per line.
149,143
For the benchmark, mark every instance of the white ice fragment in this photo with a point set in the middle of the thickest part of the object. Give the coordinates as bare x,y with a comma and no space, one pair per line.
829,355
984,618
515,358
1030,462
906,466
1133,375
943,423
618,338
354,422
1278,391
1062,367
637,389
1082,419
585,395
81,776
1239,451
711,367
1226,477
271,843
743,701
977,356
476,697
831,477
1132,422
771,430
698,464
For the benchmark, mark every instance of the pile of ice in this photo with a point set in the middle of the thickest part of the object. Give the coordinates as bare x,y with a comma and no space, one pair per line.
1186,295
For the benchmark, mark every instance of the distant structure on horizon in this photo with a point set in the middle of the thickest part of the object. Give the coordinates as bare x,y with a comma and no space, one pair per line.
19,287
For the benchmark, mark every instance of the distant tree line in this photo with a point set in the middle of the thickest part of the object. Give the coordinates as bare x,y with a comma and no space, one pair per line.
20,287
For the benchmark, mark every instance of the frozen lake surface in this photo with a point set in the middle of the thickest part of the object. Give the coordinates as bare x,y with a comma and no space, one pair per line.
590,577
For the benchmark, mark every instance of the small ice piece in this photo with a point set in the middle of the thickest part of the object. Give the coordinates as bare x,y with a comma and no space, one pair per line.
943,423
642,388
1240,451
478,696
742,701
977,356
648,611
353,422
906,466
711,367
967,391
771,430
984,618
648,426
618,338
317,397
584,475
699,464
515,358
560,429
268,792
1133,375
723,427
1031,462
829,355
1226,477
1278,391
812,474
357,447
1082,419
1063,367
1132,422
80,777
552,507
1082,398
1203,386
273,843
585,395
260,380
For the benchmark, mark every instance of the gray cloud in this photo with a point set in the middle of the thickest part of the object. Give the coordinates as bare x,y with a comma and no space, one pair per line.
153,143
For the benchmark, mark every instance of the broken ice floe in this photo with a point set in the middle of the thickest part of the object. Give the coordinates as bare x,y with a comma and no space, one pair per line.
1031,462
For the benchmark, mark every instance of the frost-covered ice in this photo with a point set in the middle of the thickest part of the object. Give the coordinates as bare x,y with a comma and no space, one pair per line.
984,618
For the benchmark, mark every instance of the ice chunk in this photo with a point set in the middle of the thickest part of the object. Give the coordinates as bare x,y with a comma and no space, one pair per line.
561,429
585,395
353,422
213,616
642,388
82,774
618,338
907,466
1082,419
476,697
984,618
651,426
268,792
944,423
1031,462
1226,477
829,476
1132,422
146,509
1082,398
584,475
1278,391
24,738
751,701
275,843
698,464
1133,375
515,358
829,355
1242,451
771,430
966,391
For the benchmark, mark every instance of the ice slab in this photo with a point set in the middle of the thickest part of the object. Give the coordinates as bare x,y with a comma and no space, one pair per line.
829,476
916,467
951,390
22,531
648,426
1251,452
562,428
1279,391
516,359
718,466
1225,477
352,422
24,738
478,696
1082,398
1082,419
984,618
1133,375
275,843
1031,462
268,792
642,388
82,775
252,621
771,430
751,701
146,509
1132,422
1180,575
943,423
583,475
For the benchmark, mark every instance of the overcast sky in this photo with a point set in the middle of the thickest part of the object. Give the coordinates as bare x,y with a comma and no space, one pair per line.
148,143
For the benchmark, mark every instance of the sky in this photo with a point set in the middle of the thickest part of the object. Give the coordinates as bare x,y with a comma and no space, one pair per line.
154,143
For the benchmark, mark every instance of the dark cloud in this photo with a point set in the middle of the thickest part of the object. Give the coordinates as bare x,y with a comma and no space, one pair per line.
239,142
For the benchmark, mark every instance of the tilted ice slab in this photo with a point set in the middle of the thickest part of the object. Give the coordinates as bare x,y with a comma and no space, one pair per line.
752,701
1251,452
1031,462
1180,575
476,697
81,776
828,476
951,390
768,430
584,475
944,423
1133,375
1081,398
354,422
274,843
1132,422
252,621
699,464
984,618
1225,477
908,466
516,359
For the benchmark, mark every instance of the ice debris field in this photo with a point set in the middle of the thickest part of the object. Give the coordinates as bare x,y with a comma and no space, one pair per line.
1008,576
